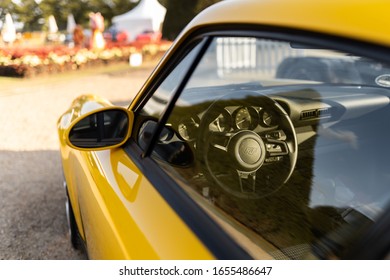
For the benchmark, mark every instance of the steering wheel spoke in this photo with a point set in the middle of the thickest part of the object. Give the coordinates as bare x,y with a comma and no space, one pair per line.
220,140
247,182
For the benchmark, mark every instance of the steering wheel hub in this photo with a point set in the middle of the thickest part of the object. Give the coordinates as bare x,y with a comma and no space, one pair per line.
247,150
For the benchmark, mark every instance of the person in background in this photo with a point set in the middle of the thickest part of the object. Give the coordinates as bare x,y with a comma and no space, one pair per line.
78,36
96,22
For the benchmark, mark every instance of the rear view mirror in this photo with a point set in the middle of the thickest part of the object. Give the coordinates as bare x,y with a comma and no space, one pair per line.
100,129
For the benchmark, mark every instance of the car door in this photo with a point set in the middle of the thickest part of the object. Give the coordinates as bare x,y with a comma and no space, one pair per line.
272,136
125,206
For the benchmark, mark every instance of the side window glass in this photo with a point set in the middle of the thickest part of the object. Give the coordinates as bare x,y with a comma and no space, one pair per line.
156,105
282,144
160,99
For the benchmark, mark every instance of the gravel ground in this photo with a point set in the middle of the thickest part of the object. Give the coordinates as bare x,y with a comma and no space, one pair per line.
32,214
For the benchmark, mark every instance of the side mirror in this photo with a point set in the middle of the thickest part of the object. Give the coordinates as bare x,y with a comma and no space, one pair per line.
100,129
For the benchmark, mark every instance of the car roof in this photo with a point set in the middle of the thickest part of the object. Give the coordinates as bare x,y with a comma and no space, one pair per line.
366,20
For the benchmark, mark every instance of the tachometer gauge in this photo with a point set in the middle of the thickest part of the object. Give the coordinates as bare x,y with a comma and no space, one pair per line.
267,118
188,128
245,118
223,123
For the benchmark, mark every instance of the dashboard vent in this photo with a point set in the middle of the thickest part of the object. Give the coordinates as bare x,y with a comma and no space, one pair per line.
308,114
316,114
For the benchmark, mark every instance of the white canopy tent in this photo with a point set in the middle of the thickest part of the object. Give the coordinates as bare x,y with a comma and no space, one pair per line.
8,31
70,24
53,28
148,15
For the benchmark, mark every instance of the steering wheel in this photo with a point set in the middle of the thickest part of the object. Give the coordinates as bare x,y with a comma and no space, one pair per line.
244,159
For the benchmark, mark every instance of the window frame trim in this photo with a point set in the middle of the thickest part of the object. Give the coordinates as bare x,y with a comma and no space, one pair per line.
171,104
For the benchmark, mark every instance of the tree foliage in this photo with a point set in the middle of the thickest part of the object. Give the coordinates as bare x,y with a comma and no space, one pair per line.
29,13
180,13
34,14
6,6
203,4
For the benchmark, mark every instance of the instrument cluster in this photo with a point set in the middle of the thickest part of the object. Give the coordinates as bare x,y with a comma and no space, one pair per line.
230,119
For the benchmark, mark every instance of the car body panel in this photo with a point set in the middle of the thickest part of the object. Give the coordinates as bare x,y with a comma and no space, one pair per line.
356,19
118,191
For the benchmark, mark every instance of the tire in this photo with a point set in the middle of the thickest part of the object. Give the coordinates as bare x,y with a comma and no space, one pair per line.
74,234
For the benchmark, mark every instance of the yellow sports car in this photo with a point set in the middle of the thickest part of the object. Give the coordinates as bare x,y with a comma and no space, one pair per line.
262,134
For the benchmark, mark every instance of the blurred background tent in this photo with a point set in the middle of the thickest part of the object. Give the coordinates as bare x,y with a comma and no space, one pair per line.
147,16
53,28
70,24
52,34
8,32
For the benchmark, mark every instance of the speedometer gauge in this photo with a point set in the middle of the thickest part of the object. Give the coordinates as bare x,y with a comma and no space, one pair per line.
223,122
268,118
245,118
188,128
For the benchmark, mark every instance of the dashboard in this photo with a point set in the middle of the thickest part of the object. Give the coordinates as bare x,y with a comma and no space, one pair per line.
305,106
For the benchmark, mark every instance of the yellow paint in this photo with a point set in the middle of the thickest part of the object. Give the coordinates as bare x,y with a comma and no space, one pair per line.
119,213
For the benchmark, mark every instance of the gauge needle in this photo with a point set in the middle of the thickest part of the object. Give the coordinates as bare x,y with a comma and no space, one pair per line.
219,127
243,120
194,122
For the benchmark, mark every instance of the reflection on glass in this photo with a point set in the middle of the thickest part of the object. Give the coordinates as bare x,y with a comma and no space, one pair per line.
101,129
290,146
